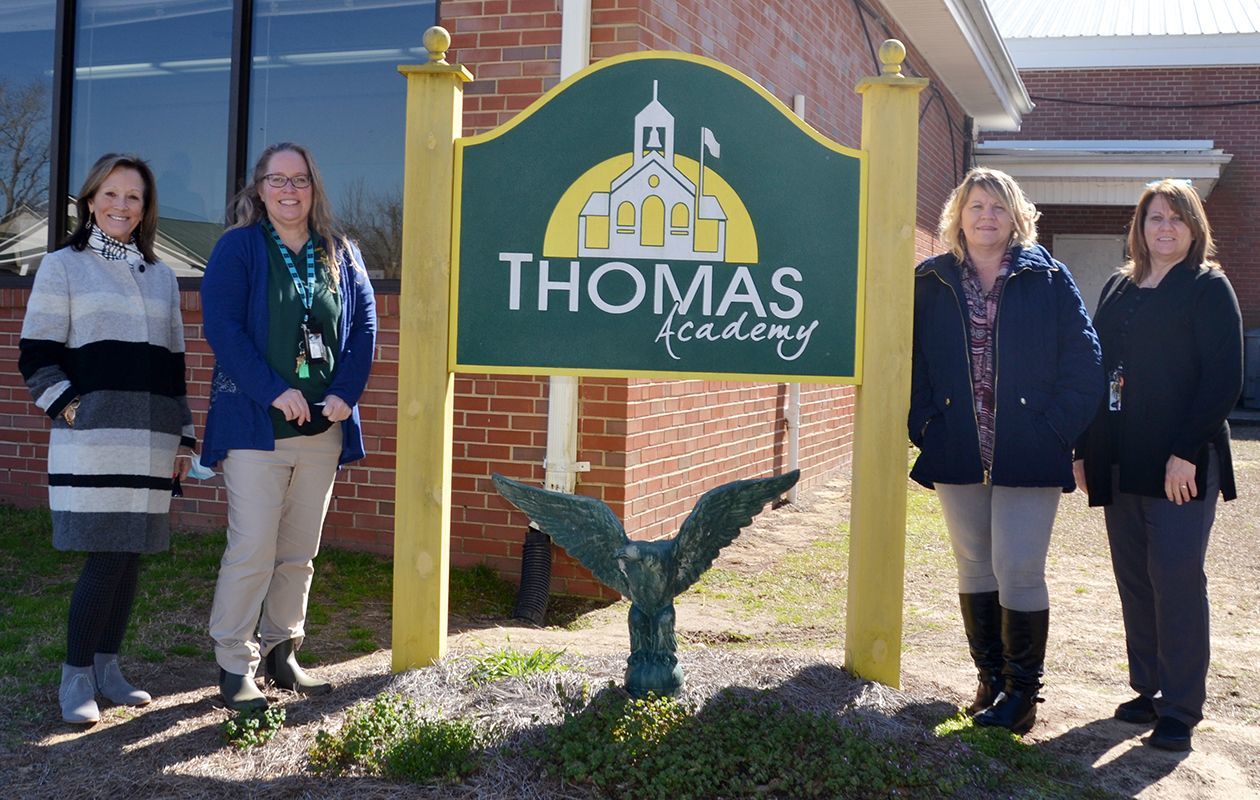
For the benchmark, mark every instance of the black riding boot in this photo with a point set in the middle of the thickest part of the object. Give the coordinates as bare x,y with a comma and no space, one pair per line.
283,670
982,620
1024,649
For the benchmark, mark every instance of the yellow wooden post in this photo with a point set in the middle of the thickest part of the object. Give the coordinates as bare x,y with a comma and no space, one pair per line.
877,542
426,385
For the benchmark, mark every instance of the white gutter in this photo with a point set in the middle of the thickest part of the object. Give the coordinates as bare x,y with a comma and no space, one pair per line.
561,462
960,42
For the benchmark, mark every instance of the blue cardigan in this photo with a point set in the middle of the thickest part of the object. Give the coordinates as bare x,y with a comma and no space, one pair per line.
235,314
1048,377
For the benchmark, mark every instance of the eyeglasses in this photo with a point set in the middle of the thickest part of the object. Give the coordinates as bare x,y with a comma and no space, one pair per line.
277,181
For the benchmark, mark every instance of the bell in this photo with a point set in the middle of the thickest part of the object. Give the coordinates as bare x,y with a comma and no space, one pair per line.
654,140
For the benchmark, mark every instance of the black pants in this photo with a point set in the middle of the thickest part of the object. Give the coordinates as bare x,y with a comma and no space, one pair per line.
1158,550
101,606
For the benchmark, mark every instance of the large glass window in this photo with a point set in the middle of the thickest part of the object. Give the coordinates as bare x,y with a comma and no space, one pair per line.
324,75
153,78
26,80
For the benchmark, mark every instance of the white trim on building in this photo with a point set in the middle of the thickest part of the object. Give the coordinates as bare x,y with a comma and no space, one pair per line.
1106,173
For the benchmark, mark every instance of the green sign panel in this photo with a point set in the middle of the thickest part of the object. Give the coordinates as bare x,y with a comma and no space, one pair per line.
658,215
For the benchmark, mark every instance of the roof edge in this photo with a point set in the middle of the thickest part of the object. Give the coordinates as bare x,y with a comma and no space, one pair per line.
991,91
1182,50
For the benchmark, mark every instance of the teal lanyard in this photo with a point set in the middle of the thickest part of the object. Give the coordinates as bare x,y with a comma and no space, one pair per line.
305,292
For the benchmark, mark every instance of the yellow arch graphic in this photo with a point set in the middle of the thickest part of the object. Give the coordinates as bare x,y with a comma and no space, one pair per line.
561,240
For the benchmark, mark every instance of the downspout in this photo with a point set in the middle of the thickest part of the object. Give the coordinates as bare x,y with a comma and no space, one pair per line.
562,405
792,414
560,463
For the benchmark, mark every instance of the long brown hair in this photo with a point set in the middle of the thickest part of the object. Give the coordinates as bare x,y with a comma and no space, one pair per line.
1002,186
248,207
145,234
1185,202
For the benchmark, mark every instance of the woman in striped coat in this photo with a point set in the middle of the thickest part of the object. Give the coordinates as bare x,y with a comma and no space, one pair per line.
102,352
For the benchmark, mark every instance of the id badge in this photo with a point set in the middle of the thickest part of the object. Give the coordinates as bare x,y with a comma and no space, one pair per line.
313,333
1115,389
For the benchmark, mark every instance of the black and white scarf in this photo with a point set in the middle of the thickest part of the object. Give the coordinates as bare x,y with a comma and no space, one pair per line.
110,249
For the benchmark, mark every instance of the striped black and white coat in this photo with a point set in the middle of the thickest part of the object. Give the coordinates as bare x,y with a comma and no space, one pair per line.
110,334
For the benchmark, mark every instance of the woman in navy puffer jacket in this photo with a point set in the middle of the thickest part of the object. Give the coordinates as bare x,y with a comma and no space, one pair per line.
1007,373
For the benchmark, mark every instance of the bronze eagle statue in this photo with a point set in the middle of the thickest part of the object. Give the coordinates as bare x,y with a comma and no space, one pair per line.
650,573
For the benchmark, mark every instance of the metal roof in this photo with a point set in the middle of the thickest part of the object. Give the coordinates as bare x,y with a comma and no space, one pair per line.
1043,19
1058,34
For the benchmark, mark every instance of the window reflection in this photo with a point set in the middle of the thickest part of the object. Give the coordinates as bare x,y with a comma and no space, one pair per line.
324,74
26,52
152,78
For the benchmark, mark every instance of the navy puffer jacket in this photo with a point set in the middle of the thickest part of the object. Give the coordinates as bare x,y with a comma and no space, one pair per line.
1048,377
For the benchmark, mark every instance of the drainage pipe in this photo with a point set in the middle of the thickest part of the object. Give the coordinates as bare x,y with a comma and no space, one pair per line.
792,414
560,463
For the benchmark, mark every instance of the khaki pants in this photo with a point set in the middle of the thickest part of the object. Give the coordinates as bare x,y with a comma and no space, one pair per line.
276,505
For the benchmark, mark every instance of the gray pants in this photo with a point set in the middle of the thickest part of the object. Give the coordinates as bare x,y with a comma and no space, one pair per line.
1157,551
1001,535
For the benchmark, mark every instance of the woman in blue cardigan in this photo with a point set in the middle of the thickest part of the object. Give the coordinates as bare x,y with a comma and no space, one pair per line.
1006,375
289,312
1157,455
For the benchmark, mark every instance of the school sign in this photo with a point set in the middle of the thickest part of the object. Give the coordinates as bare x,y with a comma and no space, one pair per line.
661,215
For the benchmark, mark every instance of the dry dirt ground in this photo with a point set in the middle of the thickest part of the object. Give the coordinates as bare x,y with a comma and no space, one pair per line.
171,748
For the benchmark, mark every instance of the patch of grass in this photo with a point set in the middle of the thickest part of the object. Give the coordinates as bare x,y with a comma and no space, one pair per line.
173,601
387,737
514,664
1015,764
480,592
570,612
927,542
734,747
253,728
806,589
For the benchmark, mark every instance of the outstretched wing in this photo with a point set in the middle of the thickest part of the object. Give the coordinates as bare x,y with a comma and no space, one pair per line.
583,526
718,518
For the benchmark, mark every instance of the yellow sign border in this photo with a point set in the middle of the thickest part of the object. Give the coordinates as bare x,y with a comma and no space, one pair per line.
462,142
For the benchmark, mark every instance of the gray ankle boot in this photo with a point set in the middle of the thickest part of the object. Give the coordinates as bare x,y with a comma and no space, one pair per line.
78,696
239,692
115,688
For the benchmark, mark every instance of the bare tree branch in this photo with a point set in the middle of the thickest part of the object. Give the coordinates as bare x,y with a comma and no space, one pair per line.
24,145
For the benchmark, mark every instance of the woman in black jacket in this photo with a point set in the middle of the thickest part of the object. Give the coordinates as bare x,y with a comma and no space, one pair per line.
1157,454
1006,375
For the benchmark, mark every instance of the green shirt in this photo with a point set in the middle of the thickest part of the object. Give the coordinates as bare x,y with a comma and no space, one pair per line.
286,312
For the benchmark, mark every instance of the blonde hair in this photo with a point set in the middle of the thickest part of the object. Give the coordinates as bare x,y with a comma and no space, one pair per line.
1003,187
1185,202
248,208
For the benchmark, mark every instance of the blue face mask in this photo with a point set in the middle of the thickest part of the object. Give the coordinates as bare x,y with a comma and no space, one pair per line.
199,472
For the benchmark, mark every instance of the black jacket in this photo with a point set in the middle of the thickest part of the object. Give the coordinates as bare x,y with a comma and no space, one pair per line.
1183,371
1048,379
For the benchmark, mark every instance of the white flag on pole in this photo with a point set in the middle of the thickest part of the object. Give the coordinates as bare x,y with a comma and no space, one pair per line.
710,143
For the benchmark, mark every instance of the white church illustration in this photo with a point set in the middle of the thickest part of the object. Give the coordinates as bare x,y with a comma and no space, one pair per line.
652,210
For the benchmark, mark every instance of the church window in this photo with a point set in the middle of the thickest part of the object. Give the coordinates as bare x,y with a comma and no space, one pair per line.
679,219
652,229
625,217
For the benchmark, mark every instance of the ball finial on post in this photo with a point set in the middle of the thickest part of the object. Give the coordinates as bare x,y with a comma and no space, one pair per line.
891,53
437,40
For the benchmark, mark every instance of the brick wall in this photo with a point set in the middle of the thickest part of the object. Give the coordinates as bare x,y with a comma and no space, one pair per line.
1235,129
654,446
